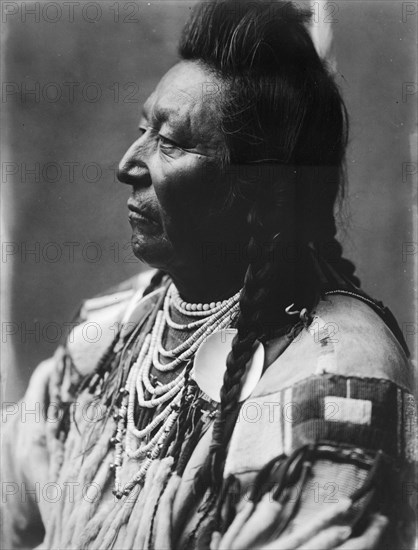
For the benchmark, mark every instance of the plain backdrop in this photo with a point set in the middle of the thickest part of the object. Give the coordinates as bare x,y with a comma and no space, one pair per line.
73,84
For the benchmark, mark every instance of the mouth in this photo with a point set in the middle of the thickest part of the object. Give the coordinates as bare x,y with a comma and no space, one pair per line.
140,214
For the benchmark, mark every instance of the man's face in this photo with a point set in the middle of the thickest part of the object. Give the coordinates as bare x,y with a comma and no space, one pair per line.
174,168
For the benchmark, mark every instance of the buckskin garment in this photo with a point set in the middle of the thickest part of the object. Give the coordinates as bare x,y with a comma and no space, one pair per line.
320,456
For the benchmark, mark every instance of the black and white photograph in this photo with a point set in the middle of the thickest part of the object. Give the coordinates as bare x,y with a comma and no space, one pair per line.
209,274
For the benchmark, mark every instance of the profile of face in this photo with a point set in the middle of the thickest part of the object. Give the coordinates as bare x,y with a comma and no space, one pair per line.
177,204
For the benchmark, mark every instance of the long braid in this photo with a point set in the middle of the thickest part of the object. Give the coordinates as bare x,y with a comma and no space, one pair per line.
316,194
262,308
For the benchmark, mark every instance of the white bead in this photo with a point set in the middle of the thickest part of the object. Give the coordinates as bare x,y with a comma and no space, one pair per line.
211,317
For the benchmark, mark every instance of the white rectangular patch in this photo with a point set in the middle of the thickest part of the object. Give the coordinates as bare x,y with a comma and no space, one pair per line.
344,409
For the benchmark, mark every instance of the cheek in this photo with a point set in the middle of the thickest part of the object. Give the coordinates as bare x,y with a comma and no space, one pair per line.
187,191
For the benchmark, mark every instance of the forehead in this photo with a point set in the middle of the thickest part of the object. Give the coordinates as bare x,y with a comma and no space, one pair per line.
188,96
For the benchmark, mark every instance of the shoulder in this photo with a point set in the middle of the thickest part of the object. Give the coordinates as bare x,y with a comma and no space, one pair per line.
344,379
346,337
100,321
92,332
118,295
363,343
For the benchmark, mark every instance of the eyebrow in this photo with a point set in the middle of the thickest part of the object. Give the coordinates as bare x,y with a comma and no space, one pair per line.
157,115
160,115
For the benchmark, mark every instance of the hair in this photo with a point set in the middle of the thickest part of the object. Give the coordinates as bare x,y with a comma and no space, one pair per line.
286,130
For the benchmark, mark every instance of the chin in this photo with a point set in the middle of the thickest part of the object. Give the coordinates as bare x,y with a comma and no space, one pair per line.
151,251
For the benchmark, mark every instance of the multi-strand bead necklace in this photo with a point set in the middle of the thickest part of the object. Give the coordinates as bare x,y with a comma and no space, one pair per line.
146,443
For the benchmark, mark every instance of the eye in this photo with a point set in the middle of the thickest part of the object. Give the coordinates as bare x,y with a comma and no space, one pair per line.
142,130
167,144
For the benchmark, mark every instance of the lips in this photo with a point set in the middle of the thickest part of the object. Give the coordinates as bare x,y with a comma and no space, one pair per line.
141,211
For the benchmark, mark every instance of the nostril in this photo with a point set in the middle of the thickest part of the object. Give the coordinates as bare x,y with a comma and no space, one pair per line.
133,173
123,175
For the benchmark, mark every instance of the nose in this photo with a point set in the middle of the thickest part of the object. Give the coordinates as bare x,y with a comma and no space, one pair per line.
132,169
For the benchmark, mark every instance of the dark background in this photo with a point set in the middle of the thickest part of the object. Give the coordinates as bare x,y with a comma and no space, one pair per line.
59,153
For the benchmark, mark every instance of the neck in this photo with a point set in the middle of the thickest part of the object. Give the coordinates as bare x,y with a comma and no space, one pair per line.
206,284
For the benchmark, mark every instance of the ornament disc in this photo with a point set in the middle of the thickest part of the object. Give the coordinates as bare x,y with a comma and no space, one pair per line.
210,365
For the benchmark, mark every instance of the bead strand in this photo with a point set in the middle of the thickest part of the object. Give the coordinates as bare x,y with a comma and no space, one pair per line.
140,476
192,344
143,449
197,310
140,390
224,306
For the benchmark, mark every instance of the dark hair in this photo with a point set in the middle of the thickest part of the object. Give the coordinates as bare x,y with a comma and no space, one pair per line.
285,122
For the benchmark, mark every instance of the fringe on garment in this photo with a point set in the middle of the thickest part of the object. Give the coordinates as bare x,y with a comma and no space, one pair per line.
107,538
158,484
84,472
87,508
162,532
262,522
93,527
368,450
127,510
131,530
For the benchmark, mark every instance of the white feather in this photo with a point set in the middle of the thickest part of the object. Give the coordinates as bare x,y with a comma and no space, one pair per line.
321,30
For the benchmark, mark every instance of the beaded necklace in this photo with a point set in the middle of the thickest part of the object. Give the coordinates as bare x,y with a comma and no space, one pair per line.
162,400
